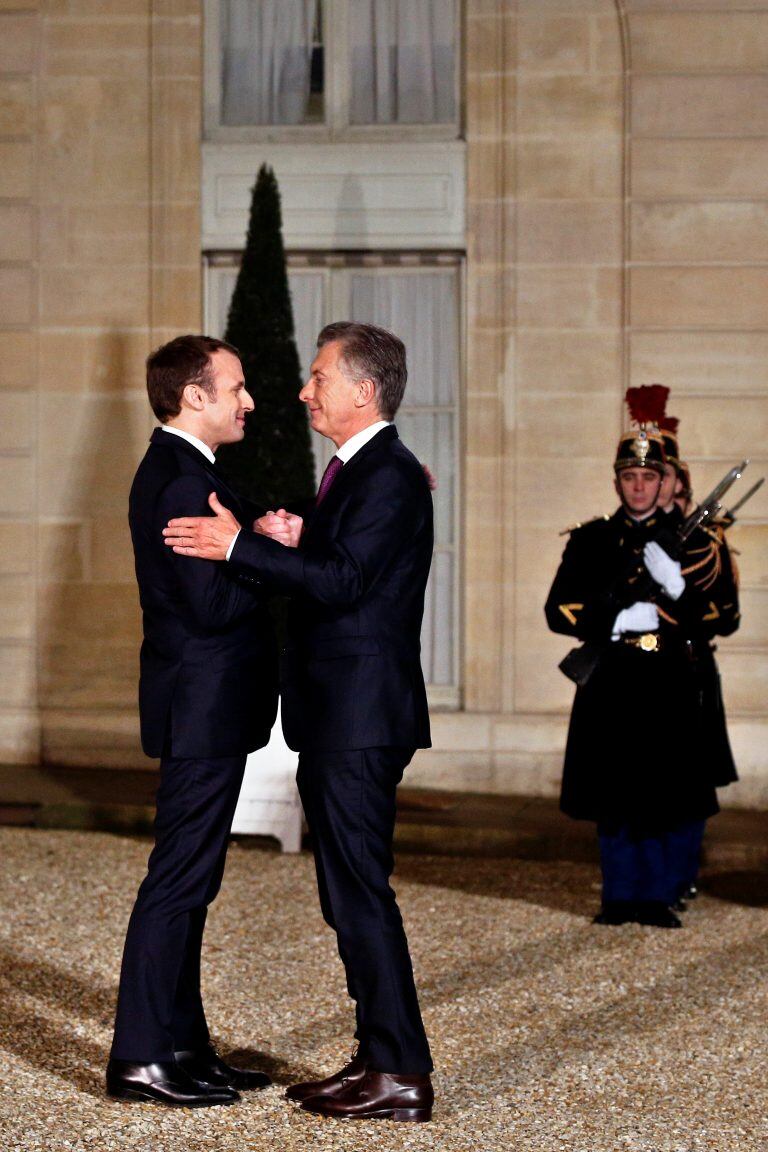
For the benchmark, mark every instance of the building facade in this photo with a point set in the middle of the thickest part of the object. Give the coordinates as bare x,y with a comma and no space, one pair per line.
579,206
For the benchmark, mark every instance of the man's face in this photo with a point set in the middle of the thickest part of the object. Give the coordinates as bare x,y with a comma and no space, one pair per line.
638,489
670,487
331,396
224,417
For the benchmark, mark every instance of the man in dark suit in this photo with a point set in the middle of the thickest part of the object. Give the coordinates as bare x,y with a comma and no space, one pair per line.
354,703
207,696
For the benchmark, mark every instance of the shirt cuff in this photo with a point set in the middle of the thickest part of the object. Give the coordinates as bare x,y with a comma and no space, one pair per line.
234,541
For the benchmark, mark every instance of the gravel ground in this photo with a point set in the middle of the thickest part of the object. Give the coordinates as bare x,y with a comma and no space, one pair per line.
549,1034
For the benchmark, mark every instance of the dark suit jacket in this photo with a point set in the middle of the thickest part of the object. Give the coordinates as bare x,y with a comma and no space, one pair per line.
208,682
351,675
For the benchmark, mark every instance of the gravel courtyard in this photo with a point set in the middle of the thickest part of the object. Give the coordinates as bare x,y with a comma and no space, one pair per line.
549,1034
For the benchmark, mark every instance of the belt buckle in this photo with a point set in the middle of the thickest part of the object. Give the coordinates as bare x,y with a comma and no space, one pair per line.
649,642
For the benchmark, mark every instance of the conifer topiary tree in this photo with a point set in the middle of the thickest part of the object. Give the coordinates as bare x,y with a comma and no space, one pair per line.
273,464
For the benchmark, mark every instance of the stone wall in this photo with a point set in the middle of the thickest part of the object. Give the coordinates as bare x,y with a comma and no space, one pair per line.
617,163
617,159
697,248
99,175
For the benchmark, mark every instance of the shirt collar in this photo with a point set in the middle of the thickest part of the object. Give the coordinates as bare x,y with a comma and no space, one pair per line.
193,440
356,442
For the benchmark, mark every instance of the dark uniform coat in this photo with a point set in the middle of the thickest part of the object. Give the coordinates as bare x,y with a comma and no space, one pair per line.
640,750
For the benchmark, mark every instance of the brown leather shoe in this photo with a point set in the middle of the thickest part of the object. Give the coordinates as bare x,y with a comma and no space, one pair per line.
378,1096
349,1074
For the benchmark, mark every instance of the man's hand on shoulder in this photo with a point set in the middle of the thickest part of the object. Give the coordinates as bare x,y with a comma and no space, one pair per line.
281,526
206,537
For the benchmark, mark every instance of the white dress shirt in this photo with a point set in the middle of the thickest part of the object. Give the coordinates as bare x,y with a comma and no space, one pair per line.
356,442
201,447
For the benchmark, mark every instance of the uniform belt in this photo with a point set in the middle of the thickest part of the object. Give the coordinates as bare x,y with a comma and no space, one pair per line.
647,642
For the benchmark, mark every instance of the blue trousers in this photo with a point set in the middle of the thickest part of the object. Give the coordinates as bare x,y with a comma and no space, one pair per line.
685,853
637,868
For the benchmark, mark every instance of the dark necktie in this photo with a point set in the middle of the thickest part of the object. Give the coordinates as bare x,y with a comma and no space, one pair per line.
331,472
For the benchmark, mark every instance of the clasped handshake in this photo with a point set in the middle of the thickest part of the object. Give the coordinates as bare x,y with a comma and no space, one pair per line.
211,537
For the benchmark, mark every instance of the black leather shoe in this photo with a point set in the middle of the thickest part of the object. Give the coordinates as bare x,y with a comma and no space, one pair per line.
691,892
207,1067
163,1083
680,905
378,1096
615,912
654,914
350,1074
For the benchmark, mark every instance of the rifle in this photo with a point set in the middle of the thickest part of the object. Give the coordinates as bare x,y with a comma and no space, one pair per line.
579,664
728,515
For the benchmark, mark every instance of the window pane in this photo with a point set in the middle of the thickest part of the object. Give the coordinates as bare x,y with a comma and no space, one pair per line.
308,297
270,61
402,61
227,278
443,638
307,292
429,435
421,308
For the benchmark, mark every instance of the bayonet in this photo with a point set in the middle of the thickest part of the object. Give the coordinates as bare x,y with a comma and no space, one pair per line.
711,506
731,513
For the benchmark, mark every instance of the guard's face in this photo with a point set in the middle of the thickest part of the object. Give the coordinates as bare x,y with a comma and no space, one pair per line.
330,396
671,486
225,416
638,489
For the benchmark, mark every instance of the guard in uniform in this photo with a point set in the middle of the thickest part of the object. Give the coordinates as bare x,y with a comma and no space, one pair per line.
637,740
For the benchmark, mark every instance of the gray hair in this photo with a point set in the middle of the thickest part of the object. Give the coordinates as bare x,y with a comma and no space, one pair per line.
371,353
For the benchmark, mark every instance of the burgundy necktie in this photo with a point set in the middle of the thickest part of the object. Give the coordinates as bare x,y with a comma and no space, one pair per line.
331,472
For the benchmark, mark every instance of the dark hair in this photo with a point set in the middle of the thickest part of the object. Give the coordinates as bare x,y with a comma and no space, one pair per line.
371,353
185,360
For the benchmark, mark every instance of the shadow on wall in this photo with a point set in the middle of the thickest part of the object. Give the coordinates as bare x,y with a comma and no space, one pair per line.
88,611
350,219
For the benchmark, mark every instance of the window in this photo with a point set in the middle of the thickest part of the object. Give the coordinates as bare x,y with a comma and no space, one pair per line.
330,67
419,299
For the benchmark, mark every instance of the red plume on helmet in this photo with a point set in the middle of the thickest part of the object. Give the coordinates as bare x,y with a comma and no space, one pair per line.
642,446
669,424
647,403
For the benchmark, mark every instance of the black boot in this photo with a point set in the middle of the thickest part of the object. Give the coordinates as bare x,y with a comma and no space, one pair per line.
656,914
615,912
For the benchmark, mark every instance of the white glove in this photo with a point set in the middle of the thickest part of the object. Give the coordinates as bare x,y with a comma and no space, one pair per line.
665,571
639,617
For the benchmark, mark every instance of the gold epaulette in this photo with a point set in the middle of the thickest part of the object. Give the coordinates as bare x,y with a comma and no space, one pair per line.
583,524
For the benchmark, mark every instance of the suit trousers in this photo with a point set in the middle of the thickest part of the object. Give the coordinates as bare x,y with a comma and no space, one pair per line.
159,1006
349,803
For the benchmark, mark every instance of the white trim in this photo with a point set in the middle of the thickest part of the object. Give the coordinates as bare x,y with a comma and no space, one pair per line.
341,196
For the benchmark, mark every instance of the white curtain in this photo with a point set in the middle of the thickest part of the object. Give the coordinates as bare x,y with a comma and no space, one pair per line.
402,56
422,308
266,58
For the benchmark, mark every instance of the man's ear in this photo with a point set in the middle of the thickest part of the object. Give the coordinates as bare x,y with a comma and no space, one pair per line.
366,393
193,397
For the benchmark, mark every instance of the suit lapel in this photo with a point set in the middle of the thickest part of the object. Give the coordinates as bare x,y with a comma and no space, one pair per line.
346,477
178,443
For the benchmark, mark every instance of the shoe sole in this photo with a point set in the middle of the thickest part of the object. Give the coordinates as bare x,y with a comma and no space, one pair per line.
135,1096
404,1115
